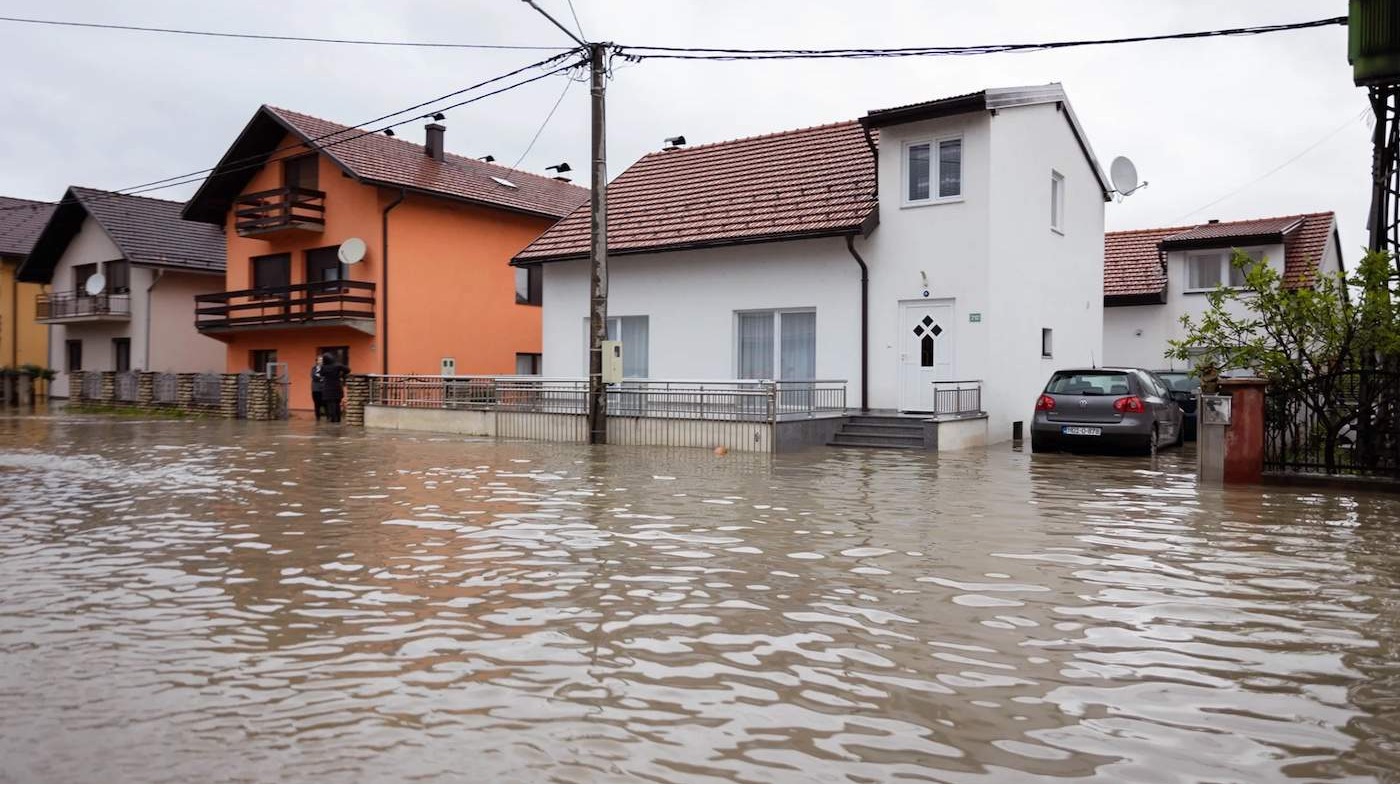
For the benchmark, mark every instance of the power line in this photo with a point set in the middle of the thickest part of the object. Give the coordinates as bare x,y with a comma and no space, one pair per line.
715,53
568,83
556,23
1305,151
577,24
264,36
354,132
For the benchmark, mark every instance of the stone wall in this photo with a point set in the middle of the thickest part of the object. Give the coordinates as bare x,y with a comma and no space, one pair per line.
261,395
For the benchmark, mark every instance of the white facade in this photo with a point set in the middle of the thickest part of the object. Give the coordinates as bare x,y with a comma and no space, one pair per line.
160,329
1139,335
986,267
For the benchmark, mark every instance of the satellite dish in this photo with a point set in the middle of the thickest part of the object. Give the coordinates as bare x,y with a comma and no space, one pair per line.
96,283
351,251
1124,176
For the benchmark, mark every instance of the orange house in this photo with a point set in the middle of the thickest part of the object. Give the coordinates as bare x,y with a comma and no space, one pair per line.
393,255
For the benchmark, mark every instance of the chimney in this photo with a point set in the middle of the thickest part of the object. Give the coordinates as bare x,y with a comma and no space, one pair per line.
1213,221
433,145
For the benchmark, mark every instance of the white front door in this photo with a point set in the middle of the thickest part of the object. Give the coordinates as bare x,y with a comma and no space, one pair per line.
925,352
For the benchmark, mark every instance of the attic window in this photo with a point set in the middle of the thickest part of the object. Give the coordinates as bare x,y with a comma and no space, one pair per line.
504,182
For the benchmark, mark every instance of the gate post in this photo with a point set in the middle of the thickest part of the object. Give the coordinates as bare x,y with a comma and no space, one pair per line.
356,396
1244,437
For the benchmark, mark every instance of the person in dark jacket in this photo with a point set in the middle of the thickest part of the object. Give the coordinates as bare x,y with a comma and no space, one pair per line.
316,384
333,374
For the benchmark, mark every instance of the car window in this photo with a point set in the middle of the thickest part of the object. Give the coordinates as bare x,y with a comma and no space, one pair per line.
1089,383
1181,382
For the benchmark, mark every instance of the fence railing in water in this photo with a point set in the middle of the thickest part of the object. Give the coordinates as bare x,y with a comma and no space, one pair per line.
957,397
651,412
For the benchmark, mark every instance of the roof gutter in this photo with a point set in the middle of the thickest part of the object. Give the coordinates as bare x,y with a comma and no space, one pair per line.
864,228
864,323
384,281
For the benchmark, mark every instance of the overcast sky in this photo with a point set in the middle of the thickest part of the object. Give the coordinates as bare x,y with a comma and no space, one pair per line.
1200,118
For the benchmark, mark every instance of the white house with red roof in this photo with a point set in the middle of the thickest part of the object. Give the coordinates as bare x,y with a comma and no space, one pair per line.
1152,277
946,244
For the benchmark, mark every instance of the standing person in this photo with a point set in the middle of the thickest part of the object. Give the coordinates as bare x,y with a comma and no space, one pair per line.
317,381
333,374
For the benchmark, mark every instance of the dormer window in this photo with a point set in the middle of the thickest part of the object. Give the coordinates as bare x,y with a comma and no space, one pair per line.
1206,270
932,170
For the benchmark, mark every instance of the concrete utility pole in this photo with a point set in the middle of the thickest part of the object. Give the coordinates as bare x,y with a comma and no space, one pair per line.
598,243
598,255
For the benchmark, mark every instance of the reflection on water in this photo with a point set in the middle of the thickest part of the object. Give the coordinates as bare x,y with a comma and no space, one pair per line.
210,600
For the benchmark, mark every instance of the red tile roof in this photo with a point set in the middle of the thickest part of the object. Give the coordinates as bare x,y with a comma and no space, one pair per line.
379,160
1132,266
808,182
21,221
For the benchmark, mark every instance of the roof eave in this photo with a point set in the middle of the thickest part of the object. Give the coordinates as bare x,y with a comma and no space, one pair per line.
961,105
388,184
864,228
1154,298
1225,241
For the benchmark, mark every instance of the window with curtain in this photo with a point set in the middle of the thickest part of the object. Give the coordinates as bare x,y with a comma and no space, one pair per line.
933,170
756,345
633,332
118,276
787,337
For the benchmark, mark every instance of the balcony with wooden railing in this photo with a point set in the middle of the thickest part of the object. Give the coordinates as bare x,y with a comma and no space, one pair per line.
348,304
67,307
286,210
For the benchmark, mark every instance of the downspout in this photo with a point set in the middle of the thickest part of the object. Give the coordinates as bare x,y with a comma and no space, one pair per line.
154,281
864,323
384,281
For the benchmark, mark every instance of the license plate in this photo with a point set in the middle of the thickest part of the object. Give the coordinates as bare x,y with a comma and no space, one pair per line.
1088,431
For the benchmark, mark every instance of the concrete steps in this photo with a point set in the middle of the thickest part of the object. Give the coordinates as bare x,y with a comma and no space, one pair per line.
874,431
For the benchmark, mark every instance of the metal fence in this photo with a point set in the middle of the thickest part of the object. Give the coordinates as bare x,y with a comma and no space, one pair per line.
126,386
92,385
1352,427
207,389
957,397
165,388
645,411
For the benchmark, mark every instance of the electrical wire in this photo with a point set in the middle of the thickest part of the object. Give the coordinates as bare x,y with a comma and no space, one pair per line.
577,24
568,83
715,53
266,37
1305,151
355,132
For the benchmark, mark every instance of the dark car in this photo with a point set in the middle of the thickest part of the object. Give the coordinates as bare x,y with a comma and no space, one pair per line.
1120,409
1181,382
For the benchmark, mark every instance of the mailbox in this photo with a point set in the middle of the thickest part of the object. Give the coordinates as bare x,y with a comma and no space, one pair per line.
1215,410
612,362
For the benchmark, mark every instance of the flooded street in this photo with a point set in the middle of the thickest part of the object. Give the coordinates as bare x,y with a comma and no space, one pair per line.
239,601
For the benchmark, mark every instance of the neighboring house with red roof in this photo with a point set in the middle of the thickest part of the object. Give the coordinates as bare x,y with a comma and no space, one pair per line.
22,340
1152,277
121,274
430,289
979,219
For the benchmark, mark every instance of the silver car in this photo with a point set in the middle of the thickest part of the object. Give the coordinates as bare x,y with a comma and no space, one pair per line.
1105,409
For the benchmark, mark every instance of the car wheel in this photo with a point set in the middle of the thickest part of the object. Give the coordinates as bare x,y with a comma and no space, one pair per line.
1152,441
1180,435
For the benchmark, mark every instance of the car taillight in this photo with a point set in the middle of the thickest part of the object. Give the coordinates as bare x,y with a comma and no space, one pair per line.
1044,403
1129,404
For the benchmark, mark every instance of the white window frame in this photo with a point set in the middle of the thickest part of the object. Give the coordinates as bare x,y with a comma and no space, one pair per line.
933,164
1224,256
1057,202
587,328
1047,342
777,336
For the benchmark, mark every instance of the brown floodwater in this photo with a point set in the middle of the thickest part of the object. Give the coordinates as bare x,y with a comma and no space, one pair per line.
237,601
